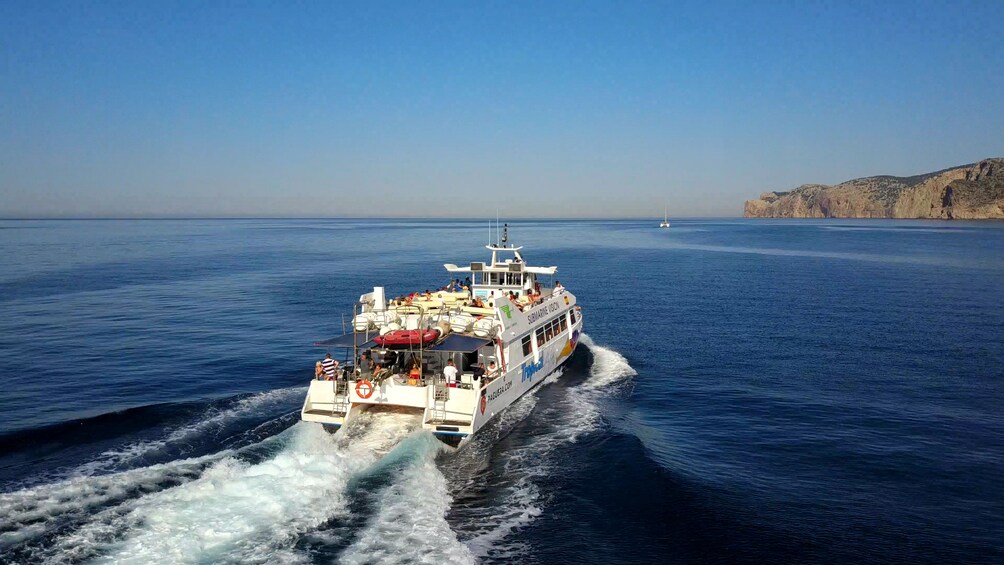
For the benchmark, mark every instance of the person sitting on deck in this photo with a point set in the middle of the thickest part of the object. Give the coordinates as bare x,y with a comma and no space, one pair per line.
415,374
318,371
477,303
558,289
450,372
365,364
491,373
330,367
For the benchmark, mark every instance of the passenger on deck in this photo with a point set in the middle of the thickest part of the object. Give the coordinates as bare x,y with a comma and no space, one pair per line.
450,372
479,371
365,364
558,289
318,371
477,303
467,283
415,374
330,367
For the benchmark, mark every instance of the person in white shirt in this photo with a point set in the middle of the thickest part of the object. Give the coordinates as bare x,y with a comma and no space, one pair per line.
450,372
558,289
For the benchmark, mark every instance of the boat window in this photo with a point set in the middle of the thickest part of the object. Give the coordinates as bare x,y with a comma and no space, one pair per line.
548,332
526,345
540,337
571,314
563,323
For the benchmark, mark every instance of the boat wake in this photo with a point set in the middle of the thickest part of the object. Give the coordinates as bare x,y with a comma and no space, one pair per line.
213,420
526,468
377,491
240,505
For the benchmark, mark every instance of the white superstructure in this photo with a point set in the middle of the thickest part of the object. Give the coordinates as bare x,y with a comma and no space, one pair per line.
502,315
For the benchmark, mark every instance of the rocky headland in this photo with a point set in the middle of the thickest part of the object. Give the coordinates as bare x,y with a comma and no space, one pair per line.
969,192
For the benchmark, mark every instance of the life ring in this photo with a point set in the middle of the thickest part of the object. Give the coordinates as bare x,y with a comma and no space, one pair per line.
364,388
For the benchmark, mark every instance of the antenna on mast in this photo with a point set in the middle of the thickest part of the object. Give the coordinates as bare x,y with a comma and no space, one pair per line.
497,239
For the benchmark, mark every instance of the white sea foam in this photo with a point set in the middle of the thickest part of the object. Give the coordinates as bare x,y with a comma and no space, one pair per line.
247,512
31,512
409,525
213,419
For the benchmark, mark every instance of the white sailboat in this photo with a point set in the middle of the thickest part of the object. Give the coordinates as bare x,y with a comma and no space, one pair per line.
665,219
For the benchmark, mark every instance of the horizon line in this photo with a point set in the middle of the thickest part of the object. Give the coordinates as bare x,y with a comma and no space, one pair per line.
463,218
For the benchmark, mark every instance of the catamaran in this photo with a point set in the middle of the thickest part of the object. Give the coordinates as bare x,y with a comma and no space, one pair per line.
665,218
457,356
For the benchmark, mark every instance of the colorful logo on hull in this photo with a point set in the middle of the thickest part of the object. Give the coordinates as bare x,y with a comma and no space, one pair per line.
570,345
531,369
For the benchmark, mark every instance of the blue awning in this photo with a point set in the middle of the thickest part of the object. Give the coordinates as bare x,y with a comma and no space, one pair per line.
460,344
347,340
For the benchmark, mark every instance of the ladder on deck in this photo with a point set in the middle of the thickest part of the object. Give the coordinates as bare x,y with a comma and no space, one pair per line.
340,404
440,394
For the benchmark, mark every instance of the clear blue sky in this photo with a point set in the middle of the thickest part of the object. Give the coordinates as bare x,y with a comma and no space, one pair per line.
456,108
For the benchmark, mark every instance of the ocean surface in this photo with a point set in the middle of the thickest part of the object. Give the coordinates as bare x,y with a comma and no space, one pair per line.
748,392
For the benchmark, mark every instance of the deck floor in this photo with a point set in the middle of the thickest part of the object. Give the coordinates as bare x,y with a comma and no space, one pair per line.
325,413
448,423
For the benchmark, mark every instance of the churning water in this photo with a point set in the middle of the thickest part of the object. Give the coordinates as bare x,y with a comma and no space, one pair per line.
783,392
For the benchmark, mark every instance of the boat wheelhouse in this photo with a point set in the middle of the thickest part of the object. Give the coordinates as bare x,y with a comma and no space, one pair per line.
457,356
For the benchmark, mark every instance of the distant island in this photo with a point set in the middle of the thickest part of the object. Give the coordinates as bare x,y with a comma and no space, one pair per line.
970,192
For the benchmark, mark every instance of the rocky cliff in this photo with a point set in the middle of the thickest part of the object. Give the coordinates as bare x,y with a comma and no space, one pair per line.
973,191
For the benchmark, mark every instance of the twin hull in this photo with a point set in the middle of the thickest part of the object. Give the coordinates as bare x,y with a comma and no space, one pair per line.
467,410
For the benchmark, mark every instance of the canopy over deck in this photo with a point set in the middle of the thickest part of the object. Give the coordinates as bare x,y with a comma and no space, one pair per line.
457,343
348,340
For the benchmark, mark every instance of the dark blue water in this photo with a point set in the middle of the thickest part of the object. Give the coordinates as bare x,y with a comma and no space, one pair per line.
750,392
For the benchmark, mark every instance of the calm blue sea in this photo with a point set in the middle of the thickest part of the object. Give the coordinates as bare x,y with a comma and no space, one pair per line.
749,392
